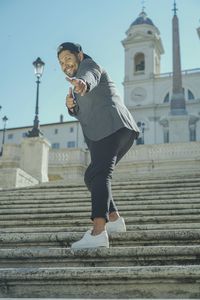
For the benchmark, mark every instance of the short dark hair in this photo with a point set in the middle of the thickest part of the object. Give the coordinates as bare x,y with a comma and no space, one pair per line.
72,47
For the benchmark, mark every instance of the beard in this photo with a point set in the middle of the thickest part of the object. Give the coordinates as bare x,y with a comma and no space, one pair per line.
72,69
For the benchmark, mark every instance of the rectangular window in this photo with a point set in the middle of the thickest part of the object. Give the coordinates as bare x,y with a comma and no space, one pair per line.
71,144
55,146
166,135
56,131
10,136
192,133
71,129
24,134
190,95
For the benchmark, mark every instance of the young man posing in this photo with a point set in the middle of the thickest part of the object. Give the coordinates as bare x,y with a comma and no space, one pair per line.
109,130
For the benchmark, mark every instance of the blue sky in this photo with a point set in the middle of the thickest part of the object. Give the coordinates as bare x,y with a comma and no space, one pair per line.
32,28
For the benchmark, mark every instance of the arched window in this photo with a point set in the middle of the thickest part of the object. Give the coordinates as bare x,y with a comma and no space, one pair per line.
139,62
166,99
190,95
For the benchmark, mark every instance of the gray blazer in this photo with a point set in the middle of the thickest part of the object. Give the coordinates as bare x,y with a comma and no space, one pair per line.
100,111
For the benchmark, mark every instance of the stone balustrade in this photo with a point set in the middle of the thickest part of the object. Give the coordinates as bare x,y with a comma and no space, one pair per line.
160,160
67,164
160,152
68,156
142,160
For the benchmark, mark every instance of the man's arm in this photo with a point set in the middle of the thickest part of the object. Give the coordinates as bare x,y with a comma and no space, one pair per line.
90,73
88,77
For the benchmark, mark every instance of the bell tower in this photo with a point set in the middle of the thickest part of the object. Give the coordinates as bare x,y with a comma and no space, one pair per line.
143,49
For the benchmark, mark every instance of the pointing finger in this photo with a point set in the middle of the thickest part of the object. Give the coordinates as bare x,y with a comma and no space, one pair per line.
70,92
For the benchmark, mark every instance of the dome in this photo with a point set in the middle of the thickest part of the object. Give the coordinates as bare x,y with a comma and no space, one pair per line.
142,19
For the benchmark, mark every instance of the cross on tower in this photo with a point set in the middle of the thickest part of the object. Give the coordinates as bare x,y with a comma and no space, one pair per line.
175,9
143,7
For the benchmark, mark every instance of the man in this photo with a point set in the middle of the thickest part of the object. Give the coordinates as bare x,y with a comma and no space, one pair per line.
109,131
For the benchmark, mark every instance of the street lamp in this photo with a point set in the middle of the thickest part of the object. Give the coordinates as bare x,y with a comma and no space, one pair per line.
198,31
143,128
39,66
5,119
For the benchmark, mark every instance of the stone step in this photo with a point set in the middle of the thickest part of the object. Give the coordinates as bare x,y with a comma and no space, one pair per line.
120,194
127,239
131,207
145,180
133,202
159,255
85,221
22,209
137,187
140,181
128,196
118,257
69,192
76,213
101,282
54,228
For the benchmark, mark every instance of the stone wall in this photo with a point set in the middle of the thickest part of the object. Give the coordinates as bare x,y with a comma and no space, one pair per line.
25,164
15,177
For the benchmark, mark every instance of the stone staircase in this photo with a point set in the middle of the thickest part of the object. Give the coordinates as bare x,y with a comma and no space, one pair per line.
158,256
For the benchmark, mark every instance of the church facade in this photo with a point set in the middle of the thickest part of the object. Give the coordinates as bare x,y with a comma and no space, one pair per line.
147,92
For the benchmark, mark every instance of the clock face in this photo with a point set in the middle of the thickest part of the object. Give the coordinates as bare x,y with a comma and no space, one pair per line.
138,94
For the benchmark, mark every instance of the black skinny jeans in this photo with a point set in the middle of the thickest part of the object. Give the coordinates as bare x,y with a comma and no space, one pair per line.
105,154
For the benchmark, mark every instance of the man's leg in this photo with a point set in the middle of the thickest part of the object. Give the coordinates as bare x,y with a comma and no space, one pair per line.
104,156
128,141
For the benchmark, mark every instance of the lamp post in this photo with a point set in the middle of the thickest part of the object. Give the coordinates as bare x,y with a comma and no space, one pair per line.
39,66
143,127
5,119
198,31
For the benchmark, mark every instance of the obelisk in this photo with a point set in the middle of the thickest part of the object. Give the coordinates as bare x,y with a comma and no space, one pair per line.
178,117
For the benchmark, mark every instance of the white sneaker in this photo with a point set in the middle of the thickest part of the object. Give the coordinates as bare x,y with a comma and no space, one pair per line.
116,226
92,241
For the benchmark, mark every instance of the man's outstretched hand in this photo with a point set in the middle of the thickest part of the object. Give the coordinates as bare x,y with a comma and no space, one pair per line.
80,86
